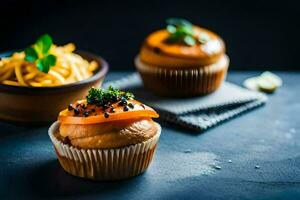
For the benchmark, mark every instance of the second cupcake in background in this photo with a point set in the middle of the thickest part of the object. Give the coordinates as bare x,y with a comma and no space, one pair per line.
107,136
182,60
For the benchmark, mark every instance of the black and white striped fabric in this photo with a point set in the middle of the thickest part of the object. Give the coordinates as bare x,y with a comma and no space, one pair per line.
197,113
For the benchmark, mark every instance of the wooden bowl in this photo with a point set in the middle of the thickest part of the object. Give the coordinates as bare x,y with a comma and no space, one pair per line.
42,104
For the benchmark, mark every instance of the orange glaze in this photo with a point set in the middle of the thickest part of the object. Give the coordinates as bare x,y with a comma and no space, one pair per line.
139,111
156,51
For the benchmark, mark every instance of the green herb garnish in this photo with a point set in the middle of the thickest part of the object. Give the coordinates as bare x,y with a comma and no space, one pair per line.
101,97
39,53
181,31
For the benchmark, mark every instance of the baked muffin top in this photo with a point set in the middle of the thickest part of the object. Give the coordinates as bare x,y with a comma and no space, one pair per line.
108,135
106,119
182,44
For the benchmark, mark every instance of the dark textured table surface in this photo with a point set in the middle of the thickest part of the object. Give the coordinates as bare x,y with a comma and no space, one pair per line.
263,145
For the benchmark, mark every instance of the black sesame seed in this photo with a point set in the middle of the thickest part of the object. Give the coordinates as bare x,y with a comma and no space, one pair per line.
76,111
104,107
112,110
106,115
122,103
124,100
125,108
143,106
86,114
131,105
70,107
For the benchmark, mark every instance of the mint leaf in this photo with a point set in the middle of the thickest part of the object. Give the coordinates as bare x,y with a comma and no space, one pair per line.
181,31
187,30
39,53
30,54
51,59
171,29
40,65
179,22
44,64
43,44
189,40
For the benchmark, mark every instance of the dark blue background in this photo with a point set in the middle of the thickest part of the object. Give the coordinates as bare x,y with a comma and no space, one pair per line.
259,34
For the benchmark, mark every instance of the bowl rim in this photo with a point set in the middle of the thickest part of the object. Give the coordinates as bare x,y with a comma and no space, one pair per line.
38,90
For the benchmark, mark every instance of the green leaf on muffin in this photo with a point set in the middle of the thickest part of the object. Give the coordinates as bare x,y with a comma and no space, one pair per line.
39,53
177,22
181,31
189,40
103,97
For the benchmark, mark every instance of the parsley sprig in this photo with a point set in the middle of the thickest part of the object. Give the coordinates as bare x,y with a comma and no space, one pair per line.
103,97
181,31
39,53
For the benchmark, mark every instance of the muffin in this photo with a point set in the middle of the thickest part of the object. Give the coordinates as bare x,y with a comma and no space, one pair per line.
182,60
107,136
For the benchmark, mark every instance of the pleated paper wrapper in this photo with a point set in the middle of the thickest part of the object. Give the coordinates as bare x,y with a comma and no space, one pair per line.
183,82
104,164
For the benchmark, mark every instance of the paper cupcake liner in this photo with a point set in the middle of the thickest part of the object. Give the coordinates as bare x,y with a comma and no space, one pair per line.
104,164
183,81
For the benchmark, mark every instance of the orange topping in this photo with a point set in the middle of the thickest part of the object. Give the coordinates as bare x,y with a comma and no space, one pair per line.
100,115
157,51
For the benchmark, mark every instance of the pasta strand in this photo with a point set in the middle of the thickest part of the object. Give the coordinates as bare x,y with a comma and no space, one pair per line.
69,68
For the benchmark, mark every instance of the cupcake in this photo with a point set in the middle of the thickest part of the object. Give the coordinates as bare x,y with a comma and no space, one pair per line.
107,136
182,60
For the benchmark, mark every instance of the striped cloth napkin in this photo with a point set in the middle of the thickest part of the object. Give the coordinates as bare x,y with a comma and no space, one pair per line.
197,113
